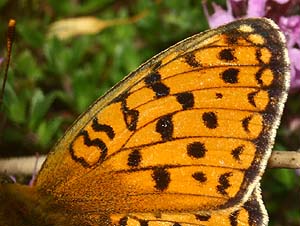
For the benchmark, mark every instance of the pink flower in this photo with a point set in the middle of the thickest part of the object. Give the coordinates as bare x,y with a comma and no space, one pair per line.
291,28
256,8
220,15
278,10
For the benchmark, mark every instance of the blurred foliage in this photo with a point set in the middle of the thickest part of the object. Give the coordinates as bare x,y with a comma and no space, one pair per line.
51,82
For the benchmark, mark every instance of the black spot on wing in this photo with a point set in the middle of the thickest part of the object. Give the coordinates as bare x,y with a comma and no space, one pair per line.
224,183
161,178
196,150
210,120
200,176
152,78
245,123
227,55
186,100
237,152
230,75
134,158
202,217
191,60
160,90
153,81
219,95
165,127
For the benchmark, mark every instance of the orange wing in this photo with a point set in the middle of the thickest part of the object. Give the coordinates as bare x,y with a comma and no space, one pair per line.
190,130
251,213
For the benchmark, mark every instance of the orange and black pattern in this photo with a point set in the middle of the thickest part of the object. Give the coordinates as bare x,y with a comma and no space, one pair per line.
184,139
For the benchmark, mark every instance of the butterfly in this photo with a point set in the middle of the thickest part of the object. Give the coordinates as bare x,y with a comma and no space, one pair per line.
182,140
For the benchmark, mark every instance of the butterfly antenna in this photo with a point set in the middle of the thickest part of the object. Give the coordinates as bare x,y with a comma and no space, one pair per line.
9,43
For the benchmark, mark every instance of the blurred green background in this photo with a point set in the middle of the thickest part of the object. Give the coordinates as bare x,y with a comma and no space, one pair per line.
50,82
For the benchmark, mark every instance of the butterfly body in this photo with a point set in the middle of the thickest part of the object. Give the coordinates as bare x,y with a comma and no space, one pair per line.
183,140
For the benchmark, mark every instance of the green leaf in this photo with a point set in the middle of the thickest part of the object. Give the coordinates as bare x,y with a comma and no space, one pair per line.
286,177
26,64
40,105
47,130
15,105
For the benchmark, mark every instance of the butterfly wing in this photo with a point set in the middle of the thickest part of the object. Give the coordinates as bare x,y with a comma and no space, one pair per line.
252,213
190,130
